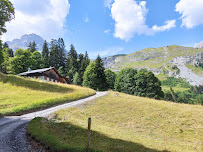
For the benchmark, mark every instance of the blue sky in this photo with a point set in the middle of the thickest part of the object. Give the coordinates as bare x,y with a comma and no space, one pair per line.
109,27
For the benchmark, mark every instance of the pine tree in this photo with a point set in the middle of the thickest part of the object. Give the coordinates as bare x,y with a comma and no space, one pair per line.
5,45
32,47
54,54
87,60
96,75
45,55
62,53
71,62
101,78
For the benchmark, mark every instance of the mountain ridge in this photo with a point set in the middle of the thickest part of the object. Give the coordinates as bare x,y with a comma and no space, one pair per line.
171,60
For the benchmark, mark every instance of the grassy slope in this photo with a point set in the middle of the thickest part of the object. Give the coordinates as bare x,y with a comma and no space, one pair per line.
19,95
125,123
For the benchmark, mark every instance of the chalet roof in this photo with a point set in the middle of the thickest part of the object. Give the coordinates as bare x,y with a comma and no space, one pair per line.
35,71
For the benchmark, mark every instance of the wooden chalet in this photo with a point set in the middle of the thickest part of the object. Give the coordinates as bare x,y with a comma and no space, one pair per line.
47,74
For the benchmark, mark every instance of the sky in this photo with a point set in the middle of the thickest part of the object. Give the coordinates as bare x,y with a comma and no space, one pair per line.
109,27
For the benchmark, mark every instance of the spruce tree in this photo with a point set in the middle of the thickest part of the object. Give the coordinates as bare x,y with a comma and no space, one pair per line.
87,60
32,47
54,54
71,62
45,55
100,74
5,45
94,76
62,53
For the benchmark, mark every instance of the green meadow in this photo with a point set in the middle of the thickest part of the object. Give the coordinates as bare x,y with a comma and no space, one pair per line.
123,123
19,95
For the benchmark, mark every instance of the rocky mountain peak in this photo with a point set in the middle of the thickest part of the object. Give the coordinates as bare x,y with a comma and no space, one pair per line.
24,41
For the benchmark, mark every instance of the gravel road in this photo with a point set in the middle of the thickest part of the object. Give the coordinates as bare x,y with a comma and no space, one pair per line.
13,129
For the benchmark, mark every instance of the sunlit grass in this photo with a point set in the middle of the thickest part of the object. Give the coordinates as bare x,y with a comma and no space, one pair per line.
196,70
179,89
19,95
132,123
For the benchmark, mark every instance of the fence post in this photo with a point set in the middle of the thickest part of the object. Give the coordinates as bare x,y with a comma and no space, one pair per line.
88,134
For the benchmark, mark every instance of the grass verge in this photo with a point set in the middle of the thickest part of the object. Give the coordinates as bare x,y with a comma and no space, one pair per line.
19,95
124,123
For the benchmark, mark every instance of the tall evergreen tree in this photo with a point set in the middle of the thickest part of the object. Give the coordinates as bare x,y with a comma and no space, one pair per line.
54,54
100,70
62,53
11,53
94,76
32,47
45,55
5,45
87,60
71,62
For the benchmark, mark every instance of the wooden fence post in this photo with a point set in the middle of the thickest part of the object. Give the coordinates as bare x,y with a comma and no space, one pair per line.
88,134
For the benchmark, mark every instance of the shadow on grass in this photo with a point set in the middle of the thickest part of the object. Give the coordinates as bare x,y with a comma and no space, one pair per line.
68,137
34,85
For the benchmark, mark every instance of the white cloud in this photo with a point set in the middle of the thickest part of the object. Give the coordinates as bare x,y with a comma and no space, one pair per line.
107,31
168,25
86,20
130,19
46,18
191,11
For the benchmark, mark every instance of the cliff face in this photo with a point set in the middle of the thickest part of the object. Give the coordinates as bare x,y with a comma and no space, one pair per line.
172,61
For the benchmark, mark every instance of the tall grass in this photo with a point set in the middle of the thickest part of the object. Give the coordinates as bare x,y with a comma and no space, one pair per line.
125,123
19,95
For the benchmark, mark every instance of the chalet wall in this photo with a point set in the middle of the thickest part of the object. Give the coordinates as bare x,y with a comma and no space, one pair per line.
49,76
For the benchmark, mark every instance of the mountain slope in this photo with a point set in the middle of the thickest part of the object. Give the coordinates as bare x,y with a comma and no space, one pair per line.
24,41
164,60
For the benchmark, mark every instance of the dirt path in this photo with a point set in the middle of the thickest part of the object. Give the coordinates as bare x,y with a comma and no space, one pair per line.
13,129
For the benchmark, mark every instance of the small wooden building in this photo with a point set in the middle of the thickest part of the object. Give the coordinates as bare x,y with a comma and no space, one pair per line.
47,74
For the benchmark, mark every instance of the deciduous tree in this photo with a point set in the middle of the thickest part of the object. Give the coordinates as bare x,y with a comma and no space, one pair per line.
110,78
6,14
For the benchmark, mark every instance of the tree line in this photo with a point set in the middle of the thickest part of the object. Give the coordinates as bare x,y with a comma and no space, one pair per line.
71,64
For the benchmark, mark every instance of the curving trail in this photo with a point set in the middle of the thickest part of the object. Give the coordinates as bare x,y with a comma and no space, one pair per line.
13,129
